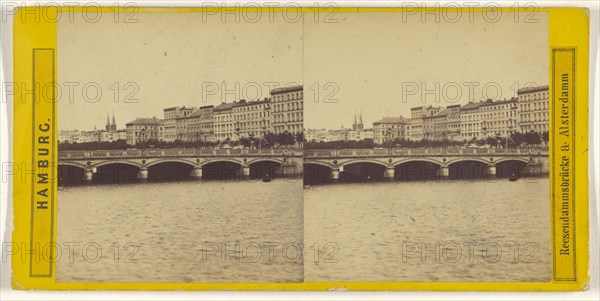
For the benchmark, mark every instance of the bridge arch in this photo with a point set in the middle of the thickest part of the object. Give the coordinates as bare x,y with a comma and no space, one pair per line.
358,161
171,160
506,159
320,163
70,173
470,159
124,162
238,162
417,169
72,164
259,160
259,168
417,159
170,169
361,169
511,166
116,171
222,169
317,171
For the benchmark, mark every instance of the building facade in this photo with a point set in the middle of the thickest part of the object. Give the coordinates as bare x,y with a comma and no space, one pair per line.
533,109
252,118
389,129
287,109
470,121
205,123
223,121
417,131
170,130
498,118
142,129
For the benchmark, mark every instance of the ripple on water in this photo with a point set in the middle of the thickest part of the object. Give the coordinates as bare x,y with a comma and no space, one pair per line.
372,222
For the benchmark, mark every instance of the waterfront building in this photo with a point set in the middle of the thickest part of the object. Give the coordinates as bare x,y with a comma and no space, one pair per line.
120,135
389,129
90,136
365,134
337,135
533,109
315,135
223,122
470,121
445,125
498,118
169,127
287,109
205,123
112,136
70,136
142,129
183,128
416,130
252,118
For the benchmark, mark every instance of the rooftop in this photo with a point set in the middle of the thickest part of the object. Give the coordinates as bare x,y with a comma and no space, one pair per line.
225,106
287,89
532,89
143,121
243,102
391,120
490,102
471,106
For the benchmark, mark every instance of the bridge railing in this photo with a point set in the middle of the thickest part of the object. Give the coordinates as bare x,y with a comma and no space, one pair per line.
324,153
82,154
314,153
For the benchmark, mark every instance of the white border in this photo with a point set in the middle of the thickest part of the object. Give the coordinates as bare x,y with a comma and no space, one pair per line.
7,293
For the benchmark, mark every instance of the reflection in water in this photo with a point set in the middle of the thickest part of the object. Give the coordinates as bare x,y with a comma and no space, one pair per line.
194,231
426,231
250,231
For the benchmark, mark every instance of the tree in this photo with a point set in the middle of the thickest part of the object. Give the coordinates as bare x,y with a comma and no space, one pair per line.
285,138
533,138
299,137
545,137
245,141
270,139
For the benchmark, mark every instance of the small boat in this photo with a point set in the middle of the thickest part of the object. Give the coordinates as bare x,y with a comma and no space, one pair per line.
266,178
513,177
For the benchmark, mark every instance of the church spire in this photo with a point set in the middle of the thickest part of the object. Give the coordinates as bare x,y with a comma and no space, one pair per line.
113,125
360,122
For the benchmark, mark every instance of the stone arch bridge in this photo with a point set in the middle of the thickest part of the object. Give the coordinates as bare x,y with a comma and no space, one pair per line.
293,160
536,159
290,160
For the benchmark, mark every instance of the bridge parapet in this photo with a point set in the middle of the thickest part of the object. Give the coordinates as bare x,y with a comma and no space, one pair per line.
99,154
337,153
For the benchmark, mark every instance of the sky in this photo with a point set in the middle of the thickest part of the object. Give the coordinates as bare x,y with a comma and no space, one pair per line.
381,64
166,60
378,64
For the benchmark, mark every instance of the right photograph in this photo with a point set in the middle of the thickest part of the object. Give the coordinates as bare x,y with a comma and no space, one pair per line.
426,148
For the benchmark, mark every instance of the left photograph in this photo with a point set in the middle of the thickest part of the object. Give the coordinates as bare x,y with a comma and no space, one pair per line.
180,148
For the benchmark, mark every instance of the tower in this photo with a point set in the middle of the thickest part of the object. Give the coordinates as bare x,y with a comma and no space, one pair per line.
107,126
360,126
358,123
113,125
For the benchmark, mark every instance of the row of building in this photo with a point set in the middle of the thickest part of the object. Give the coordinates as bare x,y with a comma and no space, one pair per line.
475,120
282,112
